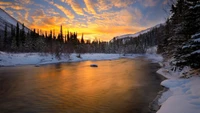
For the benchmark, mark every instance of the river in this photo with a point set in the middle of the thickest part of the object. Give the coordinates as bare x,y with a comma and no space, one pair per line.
115,86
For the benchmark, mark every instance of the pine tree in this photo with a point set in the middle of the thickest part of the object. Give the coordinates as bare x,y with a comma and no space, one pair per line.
12,31
177,21
46,34
188,54
17,35
61,34
54,35
5,36
65,38
22,35
68,37
82,40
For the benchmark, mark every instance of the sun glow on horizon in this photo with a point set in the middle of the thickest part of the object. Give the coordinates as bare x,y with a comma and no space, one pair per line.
101,19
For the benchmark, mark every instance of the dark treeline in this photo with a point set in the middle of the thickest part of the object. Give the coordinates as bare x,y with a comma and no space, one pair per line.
140,43
24,40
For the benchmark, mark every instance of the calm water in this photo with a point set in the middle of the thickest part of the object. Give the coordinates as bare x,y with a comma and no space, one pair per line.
117,86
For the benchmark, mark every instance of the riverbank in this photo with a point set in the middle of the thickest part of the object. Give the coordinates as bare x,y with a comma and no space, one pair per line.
183,92
18,59
37,59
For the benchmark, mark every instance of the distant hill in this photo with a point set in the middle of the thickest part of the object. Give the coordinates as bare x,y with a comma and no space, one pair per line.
128,36
5,18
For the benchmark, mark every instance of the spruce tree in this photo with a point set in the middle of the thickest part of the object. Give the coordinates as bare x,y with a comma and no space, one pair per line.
17,35
22,35
188,54
12,31
5,36
68,37
177,21
61,34
82,40
54,35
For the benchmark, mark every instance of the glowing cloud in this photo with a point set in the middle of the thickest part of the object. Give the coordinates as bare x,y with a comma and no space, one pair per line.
67,12
90,5
75,6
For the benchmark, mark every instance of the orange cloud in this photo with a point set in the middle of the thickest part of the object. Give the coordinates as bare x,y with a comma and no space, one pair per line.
75,6
63,9
5,3
24,2
90,5
124,17
118,29
38,13
104,5
122,3
67,12
108,4
15,6
49,21
26,14
52,11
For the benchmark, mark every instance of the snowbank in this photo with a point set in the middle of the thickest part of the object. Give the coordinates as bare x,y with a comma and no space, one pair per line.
183,95
10,59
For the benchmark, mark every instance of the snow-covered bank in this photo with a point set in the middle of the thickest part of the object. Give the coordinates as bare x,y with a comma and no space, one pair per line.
11,59
183,95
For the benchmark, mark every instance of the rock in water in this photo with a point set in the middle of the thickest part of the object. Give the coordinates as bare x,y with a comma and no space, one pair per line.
93,65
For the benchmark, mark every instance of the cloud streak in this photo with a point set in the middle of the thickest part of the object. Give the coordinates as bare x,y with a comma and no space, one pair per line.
90,5
149,3
75,6
67,12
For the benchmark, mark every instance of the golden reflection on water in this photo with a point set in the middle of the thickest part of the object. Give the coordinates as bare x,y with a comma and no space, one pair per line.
113,87
87,89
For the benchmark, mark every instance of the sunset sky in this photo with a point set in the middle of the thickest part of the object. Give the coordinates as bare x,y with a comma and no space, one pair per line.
102,19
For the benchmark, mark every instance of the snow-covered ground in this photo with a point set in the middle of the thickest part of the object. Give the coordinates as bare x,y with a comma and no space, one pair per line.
11,59
183,95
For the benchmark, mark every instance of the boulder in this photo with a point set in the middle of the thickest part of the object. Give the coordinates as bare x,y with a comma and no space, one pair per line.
93,65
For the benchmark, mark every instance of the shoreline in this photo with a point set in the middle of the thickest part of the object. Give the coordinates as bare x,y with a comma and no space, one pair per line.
154,106
38,59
